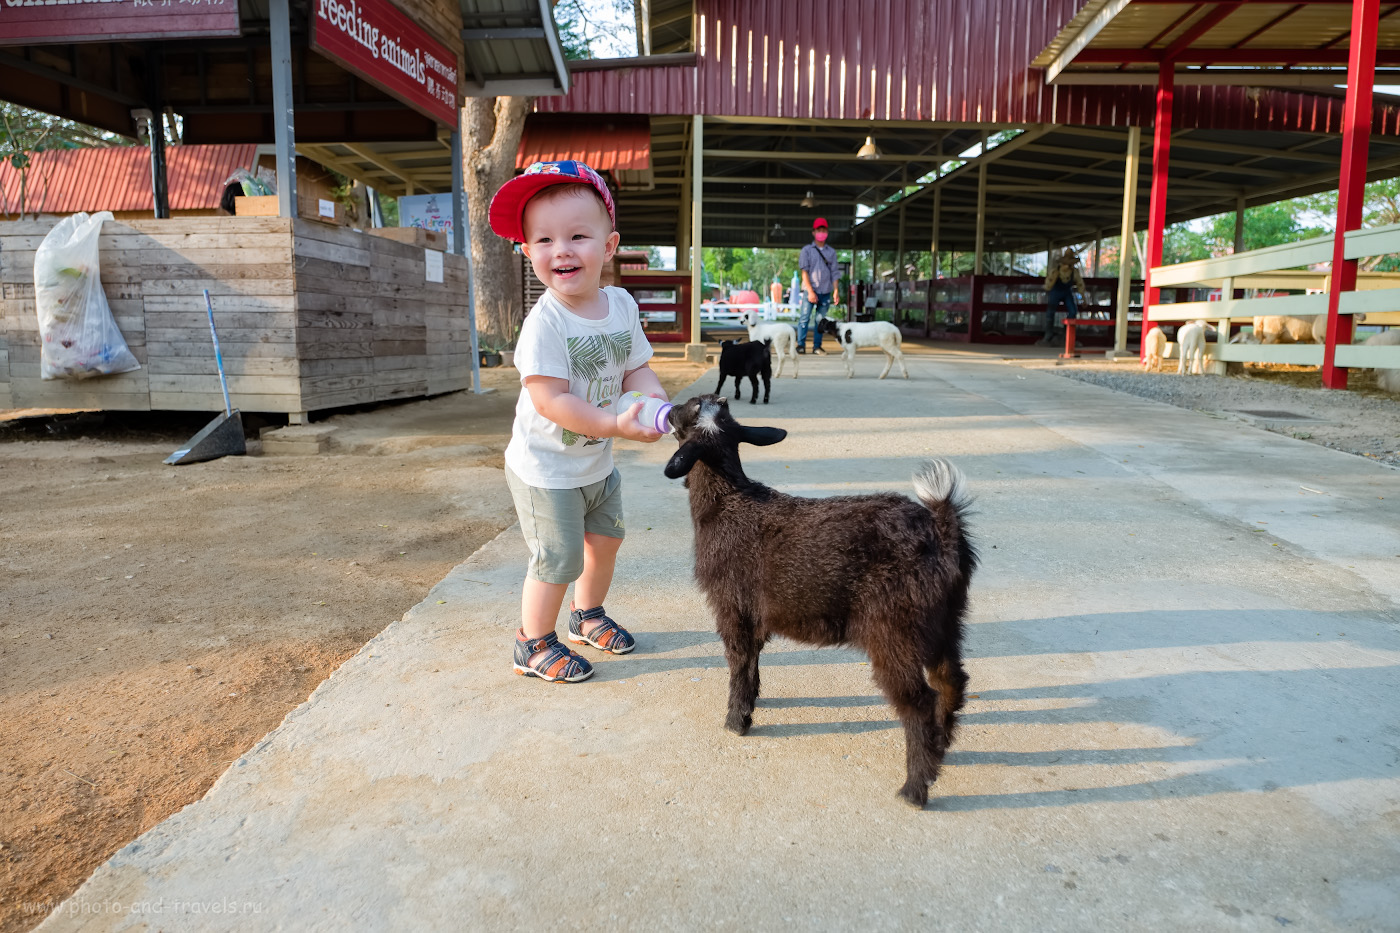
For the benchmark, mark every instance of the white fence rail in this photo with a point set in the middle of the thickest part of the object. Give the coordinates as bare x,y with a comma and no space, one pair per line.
726,313
1377,299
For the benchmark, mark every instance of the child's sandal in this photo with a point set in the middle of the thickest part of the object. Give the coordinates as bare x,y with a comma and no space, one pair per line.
547,659
604,634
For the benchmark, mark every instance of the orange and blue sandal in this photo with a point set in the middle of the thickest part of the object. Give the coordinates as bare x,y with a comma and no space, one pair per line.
603,634
547,659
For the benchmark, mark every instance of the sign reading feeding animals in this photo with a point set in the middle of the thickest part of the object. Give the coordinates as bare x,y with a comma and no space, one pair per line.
25,22
378,42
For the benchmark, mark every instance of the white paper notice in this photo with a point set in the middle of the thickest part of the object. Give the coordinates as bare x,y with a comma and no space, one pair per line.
432,265
327,208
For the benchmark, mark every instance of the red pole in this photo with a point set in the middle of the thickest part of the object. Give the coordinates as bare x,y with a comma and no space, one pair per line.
1351,186
1157,206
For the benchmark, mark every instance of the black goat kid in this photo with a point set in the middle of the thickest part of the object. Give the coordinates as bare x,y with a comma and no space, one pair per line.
894,580
746,360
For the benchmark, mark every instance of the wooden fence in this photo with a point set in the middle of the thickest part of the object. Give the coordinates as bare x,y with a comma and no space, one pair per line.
1377,297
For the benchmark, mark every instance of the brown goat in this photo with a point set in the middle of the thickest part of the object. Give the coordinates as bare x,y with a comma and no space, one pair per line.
894,579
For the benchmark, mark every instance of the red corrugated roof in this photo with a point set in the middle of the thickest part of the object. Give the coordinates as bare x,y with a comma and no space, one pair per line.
606,143
955,60
118,178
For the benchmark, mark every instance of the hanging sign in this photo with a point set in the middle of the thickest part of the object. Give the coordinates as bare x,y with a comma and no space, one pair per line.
33,22
377,41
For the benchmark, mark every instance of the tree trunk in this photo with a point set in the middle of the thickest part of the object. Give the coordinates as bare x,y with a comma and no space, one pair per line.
491,130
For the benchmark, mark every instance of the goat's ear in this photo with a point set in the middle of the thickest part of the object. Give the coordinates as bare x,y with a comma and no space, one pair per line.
762,437
681,461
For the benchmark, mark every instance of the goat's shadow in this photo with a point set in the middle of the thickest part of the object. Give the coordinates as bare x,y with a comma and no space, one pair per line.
1241,701
648,659
1249,700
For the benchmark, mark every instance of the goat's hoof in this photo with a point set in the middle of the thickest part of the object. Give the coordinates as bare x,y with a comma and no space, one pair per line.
915,793
739,725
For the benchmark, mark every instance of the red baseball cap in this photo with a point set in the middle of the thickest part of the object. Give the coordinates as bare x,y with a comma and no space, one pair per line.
819,222
507,211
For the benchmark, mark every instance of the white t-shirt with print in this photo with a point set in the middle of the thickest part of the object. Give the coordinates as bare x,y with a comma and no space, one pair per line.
594,356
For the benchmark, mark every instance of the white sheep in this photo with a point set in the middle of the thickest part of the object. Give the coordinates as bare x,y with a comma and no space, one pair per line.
1156,349
854,335
784,337
1191,342
1278,328
1387,379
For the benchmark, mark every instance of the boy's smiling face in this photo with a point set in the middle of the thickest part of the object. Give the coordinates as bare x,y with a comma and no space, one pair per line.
568,237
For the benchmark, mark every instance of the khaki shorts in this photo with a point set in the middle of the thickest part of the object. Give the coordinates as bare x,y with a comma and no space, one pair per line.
554,522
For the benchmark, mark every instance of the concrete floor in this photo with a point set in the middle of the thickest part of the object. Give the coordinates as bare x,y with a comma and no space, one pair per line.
1183,649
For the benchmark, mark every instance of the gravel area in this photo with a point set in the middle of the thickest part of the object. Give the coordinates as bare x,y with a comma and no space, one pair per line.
1363,421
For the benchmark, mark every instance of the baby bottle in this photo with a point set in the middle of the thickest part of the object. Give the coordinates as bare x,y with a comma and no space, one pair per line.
655,413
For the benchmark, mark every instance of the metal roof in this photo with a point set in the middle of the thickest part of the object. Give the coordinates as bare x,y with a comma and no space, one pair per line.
511,48
1065,184
955,61
665,27
118,178
1050,182
618,145
1299,42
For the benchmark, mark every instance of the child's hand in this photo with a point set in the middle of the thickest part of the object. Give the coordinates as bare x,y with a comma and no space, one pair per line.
629,427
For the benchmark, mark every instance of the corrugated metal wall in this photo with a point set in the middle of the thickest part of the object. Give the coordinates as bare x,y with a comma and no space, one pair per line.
951,60
118,178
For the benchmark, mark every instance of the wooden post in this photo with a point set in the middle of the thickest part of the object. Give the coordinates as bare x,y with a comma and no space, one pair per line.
1098,246
155,97
461,245
875,250
981,204
1239,223
937,220
1157,206
695,350
283,115
1222,327
1125,241
899,243
1351,187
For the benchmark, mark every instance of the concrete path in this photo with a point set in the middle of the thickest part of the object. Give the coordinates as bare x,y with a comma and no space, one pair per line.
1184,658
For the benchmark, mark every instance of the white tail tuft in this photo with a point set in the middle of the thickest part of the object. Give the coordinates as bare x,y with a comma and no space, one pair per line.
938,481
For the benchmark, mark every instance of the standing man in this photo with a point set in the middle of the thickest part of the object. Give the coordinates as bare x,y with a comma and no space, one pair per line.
820,269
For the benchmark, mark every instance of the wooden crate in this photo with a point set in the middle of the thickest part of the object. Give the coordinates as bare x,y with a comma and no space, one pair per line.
310,316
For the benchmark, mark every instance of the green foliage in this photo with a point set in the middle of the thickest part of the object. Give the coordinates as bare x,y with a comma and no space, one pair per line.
596,28
764,265
23,130
654,260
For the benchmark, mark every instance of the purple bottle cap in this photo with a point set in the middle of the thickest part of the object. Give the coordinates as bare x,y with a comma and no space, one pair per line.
663,419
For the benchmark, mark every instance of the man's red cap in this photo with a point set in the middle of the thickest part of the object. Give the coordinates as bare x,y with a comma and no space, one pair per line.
507,211
819,222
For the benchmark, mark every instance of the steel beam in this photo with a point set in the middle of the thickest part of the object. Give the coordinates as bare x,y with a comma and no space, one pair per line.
1125,238
697,194
1351,186
1157,206
283,114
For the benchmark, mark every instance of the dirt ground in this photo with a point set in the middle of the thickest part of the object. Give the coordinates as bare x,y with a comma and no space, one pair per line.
156,621
1364,420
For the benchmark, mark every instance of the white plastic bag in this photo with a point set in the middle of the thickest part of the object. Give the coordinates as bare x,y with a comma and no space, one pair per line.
79,336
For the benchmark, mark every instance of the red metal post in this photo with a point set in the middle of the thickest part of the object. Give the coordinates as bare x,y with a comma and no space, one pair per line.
1157,206
1351,187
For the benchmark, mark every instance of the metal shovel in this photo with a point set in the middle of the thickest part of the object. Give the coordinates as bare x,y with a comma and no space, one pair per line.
224,435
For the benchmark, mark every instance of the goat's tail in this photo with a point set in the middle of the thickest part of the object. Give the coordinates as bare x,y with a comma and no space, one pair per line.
938,482
941,488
